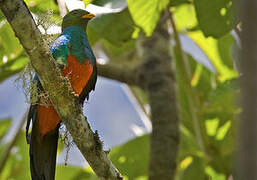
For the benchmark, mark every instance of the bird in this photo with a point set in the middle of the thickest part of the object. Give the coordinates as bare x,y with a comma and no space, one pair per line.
72,52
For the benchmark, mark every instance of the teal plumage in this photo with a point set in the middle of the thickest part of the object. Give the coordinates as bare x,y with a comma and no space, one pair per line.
78,44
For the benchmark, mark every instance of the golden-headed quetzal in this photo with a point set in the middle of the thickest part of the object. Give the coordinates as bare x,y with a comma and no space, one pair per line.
71,49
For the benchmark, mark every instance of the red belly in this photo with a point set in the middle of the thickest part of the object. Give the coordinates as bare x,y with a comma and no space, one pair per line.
78,75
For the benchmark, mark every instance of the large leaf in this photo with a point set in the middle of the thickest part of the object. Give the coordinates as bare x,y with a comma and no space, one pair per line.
215,17
117,28
10,45
146,14
211,49
132,158
12,58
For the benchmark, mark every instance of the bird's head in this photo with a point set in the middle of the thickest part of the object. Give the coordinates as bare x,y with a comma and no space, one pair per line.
77,17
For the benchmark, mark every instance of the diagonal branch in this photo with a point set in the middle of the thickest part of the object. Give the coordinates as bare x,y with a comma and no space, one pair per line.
62,7
58,88
122,74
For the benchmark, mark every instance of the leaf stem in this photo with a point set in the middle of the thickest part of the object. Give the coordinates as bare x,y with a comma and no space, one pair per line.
191,94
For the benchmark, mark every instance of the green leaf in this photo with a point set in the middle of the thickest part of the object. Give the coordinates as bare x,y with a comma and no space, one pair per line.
179,2
194,171
211,49
188,144
12,67
4,126
146,14
86,2
132,158
220,105
213,174
185,17
215,17
211,126
12,60
117,28
222,131
17,165
224,46
73,173
9,43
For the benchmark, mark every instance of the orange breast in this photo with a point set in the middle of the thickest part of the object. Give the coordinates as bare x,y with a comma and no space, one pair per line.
78,75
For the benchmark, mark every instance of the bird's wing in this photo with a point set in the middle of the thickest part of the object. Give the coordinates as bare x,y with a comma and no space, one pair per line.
60,49
92,81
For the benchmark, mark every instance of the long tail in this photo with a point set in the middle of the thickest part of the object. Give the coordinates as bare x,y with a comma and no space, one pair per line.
42,151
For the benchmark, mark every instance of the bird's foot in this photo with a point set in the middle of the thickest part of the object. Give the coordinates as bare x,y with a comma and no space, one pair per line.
75,94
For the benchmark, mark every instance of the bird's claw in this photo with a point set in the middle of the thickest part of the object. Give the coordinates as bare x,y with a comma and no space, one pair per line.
75,94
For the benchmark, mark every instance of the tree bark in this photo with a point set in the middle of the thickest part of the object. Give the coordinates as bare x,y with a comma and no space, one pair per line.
58,88
160,85
122,74
247,138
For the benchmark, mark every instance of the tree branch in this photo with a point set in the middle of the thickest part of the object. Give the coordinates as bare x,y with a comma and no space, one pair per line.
247,146
128,76
160,86
62,7
58,88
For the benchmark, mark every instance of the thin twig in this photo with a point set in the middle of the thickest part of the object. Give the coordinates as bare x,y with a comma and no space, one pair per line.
189,90
238,31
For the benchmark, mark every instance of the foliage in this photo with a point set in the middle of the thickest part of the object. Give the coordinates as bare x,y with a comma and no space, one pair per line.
215,17
4,126
207,125
147,21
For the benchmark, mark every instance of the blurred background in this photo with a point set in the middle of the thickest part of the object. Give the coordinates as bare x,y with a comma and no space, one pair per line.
121,113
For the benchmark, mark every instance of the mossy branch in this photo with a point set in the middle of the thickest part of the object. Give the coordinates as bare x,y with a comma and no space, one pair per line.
58,88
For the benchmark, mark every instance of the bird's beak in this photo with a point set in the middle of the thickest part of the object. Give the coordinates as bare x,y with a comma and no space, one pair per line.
88,16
